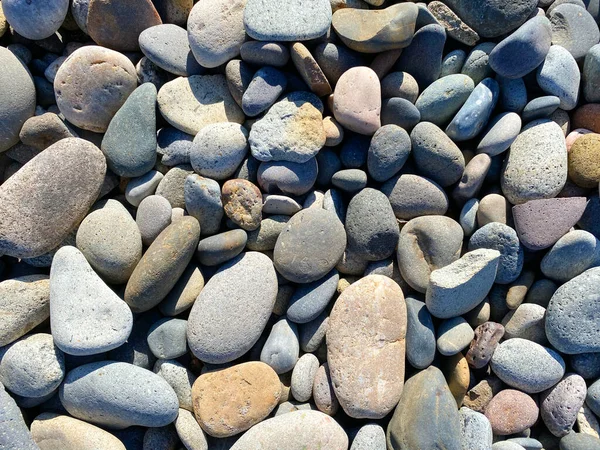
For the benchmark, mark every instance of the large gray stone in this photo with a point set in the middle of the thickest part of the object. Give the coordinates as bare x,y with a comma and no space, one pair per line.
35,19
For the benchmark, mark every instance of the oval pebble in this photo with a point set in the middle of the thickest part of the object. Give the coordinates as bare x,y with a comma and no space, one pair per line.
420,334
559,75
166,338
559,406
303,377
37,19
218,149
412,196
288,177
526,322
282,348
357,100
454,335
388,151
264,89
570,256
153,216
140,188
511,411
574,29
443,98
500,134
309,300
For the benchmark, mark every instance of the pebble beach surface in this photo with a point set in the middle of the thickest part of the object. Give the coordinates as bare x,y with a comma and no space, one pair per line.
299,225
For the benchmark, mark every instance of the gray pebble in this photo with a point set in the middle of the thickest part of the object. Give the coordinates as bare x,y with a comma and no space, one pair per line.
400,84
500,134
36,20
513,94
184,293
475,429
559,75
174,145
586,364
303,377
166,338
309,300
526,322
266,86
414,196
454,335
369,437
189,431
140,188
443,98
238,74
167,46
282,348
218,149
265,53
172,186
572,254
280,204
312,334
420,334
265,236
203,201
540,108
287,177
14,433
388,152
217,249
591,75
153,216
453,62
399,111
179,378
468,216
574,29
477,65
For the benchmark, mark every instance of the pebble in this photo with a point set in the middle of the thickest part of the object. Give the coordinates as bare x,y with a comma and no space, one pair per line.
476,430
265,236
265,53
540,108
457,373
412,196
303,377
323,393
574,29
357,100
527,366
309,300
587,423
282,348
86,316
217,249
292,130
570,256
443,98
295,430
511,411
242,202
385,29
536,165
400,84
334,133
236,304
89,90
369,437
473,178
40,132
265,20
503,238
426,416
475,113
179,103
527,321
586,364
477,64
420,334
300,254
166,338
219,396
571,324
400,112
589,74
174,146
592,398
583,169
500,134
460,286
513,93
480,395
203,201
33,354
454,26
24,302
579,441
189,432
153,216
454,335
216,31
435,155
524,50
98,393
358,360
179,378
559,75
453,62
309,70
264,89
141,187
540,223
167,46
485,340
559,406
388,151
172,186
218,150
280,204
288,177
162,264
35,20
56,430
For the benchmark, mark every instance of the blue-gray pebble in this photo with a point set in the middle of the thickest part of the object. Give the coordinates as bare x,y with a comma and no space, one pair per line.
174,146
14,434
443,98
266,86
420,334
399,111
309,300
572,254
167,339
388,152
540,108
282,348
559,75
513,93
423,57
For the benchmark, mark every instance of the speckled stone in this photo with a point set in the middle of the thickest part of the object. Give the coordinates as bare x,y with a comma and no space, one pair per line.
414,196
216,31
14,433
442,99
242,202
526,322
167,46
189,431
24,302
110,240
100,393
265,20
583,168
179,378
559,406
35,20
420,334
203,201
460,286
369,31
527,366
174,146
51,430
524,50
579,441
236,302
571,320
486,338
536,167
140,188
162,264
303,377
453,62
426,416
309,70
87,317
166,338
357,371
399,111
264,89
117,25
570,256
476,430
357,100
300,254
540,108
513,94
369,437
294,431
40,132
220,396
511,412
477,64
153,216
454,335
400,84
559,75
218,149
574,29
586,364
292,130
179,103
70,174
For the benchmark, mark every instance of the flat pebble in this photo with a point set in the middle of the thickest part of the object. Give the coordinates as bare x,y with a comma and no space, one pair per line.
500,134
282,348
309,70
559,406
99,393
357,371
309,300
86,316
454,26
172,186
511,411
443,98
570,256
399,111
217,249
40,132
357,100
167,46
312,334
579,441
527,366
454,335
413,196
189,432
288,177
571,321
237,309
174,146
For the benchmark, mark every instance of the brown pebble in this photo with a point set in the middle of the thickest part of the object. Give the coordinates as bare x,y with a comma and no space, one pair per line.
587,116
483,345
323,393
584,161
518,289
511,412
309,70
242,202
481,394
457,373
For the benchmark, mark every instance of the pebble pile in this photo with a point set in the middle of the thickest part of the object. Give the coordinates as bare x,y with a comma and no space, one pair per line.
299,225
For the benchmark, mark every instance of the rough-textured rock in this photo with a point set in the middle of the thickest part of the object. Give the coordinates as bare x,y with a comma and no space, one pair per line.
51,430
574,29
92,84
236,302
86,316
242,203
426,416
24,302
162,264
230,401
369,437
487,336
189,431
559,406
412,196
371,31
583,168
571,321
179,378
368,383
100,393
218,149
14,433
68,174
311,244
559,75
476,430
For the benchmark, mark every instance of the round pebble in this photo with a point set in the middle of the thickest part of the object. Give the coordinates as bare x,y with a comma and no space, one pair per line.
559,406
36,19
153,216
166,338
443,98
511,411
218,150
526,322
454,335
574,29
